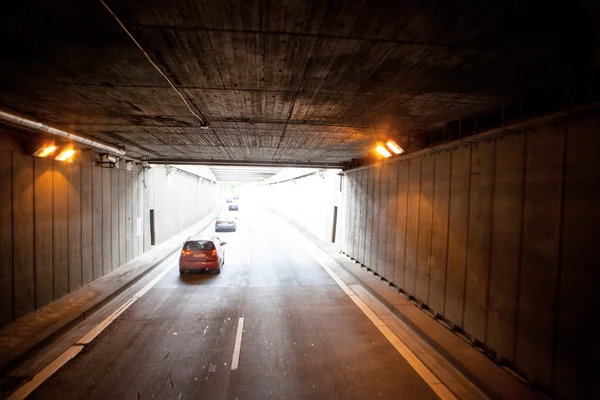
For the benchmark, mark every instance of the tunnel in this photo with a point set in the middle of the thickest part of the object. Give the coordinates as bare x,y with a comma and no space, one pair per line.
299,199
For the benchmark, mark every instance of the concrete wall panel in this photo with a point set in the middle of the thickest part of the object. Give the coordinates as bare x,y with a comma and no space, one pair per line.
6,242
439,237
412,225
97,228
384,220
579,296
87,249
23,235
457,245
401,213
392,207
539,262
370,180
107,219
122,217
128,216
424,232
44,275
136,214
356,216
114,216
376,219
505,250
60,227
351,240
479,239
74,212
362,214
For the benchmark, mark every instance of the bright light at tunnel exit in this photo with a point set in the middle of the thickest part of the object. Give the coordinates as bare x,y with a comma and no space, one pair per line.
65,155
393,146
383,151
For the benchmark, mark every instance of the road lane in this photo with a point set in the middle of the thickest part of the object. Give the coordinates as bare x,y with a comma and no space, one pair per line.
302,338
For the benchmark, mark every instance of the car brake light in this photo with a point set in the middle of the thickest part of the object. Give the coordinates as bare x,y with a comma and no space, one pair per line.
214,253
218,221
186,253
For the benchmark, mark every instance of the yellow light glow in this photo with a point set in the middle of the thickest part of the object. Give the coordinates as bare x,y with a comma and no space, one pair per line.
383,151
65,155
45,151
393,146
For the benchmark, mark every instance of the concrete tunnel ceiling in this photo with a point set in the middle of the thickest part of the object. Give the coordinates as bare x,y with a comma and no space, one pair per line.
285,82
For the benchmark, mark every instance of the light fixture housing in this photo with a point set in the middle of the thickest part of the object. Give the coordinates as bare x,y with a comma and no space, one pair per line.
66,155
393,146
45,151
383,151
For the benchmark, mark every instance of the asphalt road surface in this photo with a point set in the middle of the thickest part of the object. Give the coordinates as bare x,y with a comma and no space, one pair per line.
302,338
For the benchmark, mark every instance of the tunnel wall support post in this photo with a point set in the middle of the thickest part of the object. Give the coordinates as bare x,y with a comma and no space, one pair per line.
383,219
439,231
498,237
392,207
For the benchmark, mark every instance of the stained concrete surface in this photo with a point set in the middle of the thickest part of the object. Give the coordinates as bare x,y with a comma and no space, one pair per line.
303,337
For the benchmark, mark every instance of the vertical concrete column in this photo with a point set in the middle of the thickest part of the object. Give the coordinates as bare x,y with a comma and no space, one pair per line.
483,156
6,260
392,208
87,230
540,251
439,237
23,235
44,274
97,222
74,224
425,225
412,225
370,181
383,219
457,246
376,219
505,251
401,215
60,230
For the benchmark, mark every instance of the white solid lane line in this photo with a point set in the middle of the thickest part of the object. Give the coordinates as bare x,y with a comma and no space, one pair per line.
235,361
72,351
91,335
45,373
434,383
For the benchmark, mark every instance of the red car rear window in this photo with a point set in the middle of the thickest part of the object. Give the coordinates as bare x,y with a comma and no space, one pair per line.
199,245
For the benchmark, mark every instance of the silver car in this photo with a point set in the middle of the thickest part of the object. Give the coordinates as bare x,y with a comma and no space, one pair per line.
226,223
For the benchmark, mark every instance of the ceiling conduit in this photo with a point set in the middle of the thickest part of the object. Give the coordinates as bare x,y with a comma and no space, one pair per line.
38,126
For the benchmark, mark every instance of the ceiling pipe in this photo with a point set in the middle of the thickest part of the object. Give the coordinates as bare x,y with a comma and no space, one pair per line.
38,126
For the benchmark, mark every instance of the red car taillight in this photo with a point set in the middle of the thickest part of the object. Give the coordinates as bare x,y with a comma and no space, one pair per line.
218,222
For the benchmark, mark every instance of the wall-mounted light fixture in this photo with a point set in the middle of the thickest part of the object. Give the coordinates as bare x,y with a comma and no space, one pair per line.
45,151
66,155
383,151
393,146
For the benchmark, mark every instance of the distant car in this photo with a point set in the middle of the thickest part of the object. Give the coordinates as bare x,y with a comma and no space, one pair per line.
228,201
236,198
233,207
226,223
204,253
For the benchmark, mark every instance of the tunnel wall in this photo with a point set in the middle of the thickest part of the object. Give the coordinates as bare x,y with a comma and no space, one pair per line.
499,238
65,225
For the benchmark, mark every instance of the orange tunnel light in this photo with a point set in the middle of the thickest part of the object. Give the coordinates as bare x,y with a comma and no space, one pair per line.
383,151
393,146
45,151
65,155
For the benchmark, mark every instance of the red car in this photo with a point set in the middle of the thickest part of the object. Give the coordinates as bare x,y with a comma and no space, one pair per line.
204,253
